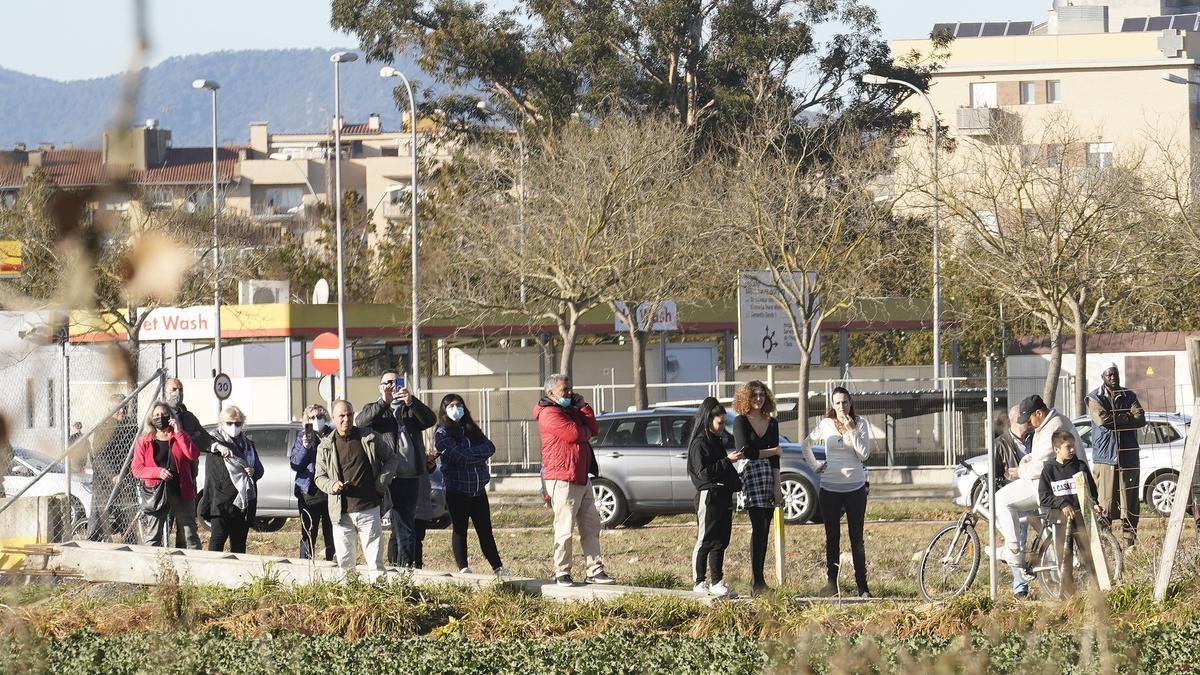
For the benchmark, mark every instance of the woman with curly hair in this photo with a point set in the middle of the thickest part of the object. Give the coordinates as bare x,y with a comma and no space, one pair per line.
756,436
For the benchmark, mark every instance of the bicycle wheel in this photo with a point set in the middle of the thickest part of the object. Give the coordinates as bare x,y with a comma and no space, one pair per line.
949,564
1048,579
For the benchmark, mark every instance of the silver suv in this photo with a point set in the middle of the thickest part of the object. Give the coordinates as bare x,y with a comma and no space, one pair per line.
643,469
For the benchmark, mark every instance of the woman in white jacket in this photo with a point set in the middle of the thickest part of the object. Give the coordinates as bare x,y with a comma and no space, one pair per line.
843,486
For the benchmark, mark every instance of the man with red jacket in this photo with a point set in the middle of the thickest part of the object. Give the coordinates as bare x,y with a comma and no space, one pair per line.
566,424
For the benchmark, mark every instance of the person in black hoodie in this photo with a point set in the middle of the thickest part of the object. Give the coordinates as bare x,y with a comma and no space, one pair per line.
710,465
1058,491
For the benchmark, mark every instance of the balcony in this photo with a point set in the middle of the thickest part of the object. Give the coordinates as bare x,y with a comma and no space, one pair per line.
275,214
985,121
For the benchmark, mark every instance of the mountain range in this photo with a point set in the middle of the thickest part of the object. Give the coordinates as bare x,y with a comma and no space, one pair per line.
291,89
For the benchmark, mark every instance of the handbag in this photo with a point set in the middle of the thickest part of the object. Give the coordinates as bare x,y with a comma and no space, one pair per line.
151,500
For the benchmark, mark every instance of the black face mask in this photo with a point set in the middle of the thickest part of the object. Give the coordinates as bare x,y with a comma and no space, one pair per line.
161,422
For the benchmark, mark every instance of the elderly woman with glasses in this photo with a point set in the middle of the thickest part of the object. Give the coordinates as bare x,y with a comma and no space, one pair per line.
313,504
231,473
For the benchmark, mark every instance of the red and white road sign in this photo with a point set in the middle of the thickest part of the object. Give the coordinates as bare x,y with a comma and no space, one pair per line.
323,352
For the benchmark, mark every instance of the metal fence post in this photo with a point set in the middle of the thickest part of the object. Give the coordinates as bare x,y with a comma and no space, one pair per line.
1184,485
66,422
991,454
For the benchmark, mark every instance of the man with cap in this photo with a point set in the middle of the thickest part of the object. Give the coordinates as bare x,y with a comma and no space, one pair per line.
1020,497
1116,416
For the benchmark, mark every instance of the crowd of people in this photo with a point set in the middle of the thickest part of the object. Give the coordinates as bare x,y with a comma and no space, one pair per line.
351,470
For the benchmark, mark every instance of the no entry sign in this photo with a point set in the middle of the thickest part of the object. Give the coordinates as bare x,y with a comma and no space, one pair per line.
323,352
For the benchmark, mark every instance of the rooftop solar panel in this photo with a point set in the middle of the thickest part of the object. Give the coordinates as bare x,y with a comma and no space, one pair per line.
1019,27
966,30
942,28
1133,24
1184,22
993,29
1159,23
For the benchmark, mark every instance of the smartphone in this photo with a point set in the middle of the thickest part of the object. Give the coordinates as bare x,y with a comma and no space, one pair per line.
308,428
400,383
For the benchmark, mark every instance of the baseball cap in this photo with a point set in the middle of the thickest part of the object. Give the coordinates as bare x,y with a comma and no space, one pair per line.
1030,405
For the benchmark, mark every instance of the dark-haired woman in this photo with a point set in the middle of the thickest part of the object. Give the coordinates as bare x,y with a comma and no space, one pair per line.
843,486
464,452
710,465
756,436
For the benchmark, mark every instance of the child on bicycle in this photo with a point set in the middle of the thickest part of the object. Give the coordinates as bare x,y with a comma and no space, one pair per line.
1058,492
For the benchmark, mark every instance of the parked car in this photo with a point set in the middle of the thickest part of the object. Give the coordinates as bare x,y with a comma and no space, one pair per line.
27,464
1161,442
642,457
276,496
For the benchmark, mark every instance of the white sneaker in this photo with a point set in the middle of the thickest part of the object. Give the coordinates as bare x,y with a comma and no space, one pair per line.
720,590
465,570
1013,557
701,587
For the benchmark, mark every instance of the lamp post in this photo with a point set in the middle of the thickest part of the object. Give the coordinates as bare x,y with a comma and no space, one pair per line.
488,110
871,79
338,59
212,86
414,361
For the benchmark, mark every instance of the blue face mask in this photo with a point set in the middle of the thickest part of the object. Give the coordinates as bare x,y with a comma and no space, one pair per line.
566,401
455,413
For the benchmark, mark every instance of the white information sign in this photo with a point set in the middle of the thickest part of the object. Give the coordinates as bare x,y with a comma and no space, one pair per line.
179,323
765,335
665,318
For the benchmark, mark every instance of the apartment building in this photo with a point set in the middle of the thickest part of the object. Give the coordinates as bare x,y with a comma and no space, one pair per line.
1100,64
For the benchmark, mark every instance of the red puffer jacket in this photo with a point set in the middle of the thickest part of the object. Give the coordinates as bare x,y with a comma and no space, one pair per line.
566,453
184,453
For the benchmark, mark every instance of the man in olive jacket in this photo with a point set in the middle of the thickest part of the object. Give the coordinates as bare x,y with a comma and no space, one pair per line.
354,467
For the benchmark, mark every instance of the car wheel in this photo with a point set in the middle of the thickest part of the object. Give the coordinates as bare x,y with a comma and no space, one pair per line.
269,524
799,498
610,503
1161,492
638,521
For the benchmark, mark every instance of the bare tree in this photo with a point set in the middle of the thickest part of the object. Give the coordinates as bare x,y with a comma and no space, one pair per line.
605,212
1052,227
800,204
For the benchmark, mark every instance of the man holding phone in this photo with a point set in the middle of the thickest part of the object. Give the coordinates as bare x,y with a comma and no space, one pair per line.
400,419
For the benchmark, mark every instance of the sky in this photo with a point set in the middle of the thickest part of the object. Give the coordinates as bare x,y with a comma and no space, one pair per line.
81,39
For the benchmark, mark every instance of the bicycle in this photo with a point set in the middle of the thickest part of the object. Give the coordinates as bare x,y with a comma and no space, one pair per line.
950,562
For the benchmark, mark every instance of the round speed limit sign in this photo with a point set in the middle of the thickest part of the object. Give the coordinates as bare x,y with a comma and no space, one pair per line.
222,386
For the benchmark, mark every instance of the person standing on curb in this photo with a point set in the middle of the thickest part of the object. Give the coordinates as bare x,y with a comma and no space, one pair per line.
231,475
567,424
711,468
355,468
756,436
400,419
465,452
1116,416
313,504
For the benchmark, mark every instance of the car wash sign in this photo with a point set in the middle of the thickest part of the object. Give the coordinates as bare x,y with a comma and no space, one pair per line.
765,335
179,323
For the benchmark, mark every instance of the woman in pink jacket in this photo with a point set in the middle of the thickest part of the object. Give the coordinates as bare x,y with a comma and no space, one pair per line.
165,454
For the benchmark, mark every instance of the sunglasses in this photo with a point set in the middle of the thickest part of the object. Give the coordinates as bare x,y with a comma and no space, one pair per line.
385,383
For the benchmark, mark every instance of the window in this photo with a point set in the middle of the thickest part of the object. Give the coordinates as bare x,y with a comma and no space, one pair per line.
1053,91
1030,154
271,442
1027,93
1085,433
276,200
638,431
679,431
1099,155
983,94
160,198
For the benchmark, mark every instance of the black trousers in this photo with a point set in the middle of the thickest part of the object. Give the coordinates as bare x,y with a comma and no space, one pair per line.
233,529
420,527
714,517
313,518
468,509
854,505
760,534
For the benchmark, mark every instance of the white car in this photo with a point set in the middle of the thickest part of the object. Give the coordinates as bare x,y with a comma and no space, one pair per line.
1161,442
27,464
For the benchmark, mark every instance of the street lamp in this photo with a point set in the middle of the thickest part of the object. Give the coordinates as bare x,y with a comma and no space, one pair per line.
488,110
414,360
338,59
1175,79
869,78
212,86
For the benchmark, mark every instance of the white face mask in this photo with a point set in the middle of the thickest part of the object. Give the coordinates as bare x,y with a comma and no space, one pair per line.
232,429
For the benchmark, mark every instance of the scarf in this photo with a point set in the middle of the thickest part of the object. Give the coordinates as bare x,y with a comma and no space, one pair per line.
236,465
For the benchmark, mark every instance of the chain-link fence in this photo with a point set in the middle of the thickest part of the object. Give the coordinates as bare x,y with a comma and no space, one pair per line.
72,422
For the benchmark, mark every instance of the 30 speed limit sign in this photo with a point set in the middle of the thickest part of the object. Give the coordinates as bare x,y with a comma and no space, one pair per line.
222,386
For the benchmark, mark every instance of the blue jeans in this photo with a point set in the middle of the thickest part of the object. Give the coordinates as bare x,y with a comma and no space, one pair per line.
1019,585
402,546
